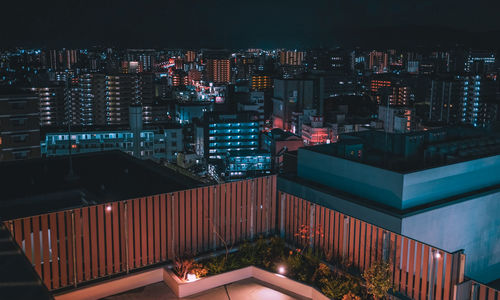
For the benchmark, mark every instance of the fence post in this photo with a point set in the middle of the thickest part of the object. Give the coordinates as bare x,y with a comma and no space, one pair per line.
74,246
214,219
173,224
312,218
252,208
282,214
125,220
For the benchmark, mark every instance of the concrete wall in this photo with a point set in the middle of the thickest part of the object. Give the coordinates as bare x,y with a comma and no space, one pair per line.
438,183
352,177
472,225
343,205
395,189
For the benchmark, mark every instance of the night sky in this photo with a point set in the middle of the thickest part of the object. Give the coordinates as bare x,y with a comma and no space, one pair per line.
235,24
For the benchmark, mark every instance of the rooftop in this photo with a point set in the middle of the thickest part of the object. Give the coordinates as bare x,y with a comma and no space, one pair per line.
41,185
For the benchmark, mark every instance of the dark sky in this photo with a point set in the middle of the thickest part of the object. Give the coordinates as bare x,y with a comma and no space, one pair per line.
237,23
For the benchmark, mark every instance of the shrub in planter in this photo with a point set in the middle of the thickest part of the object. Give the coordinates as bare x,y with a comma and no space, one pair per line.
185,266
378,279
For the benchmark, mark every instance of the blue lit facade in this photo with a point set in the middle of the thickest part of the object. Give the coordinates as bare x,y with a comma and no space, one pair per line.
226,133
153,144
478,107
241,164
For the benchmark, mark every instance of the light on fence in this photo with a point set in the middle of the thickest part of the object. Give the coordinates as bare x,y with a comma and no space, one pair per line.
108,208
437,254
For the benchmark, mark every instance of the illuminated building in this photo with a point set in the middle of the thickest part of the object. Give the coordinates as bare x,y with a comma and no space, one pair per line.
245,163
218,70
20,125
132,67
378,62
194,76
293,58
397,118
52,104
277,142
479,105
190,56
158,142
445,100
314,133
480,62
261,82
219,134
376,84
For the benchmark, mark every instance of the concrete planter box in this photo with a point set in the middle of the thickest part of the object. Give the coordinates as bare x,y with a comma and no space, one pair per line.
184,289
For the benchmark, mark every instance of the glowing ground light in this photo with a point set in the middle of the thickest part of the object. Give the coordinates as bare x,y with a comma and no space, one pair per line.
191,277
281,270
108,208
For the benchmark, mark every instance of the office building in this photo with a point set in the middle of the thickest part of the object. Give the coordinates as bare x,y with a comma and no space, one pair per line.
220,133
261,82
292,58
247,163
217,67
19,125
378,62
397,118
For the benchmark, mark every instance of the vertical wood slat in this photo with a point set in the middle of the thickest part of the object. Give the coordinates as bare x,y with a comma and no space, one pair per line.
36,245
418,266
210,215
411,263
137,234
79,244
234,205
45,250
274,204
238,210
63,262
482,292
221,213
227,216
115,212
69,247
150,230
176,245
28,249
362,250
171,221
425,273
206,218
357,235
179,241
404,265
259,204
187,214
397,263
100,233
54,255
156,222
108,211
374,243
341,235
199,219
447,276
163,227
94,242
194,224
144,234
439,279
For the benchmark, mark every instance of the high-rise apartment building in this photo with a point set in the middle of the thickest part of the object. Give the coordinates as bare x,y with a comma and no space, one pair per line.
19,125
261,82
378,62
293,58
218,70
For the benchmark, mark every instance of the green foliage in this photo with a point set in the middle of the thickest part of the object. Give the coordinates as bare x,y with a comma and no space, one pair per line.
378,279
216,265
337,286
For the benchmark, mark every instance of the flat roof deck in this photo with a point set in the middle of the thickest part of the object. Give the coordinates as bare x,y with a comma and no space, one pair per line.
247,289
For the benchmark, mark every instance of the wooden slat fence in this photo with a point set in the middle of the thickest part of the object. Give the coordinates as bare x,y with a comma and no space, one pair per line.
69,247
